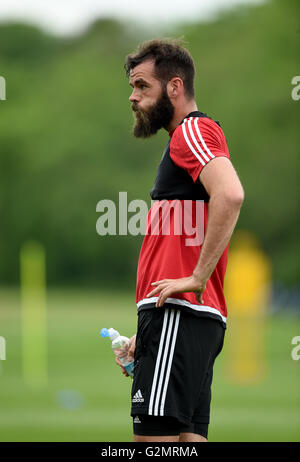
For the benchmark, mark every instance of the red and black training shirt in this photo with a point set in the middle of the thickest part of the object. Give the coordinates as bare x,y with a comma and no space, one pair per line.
170,250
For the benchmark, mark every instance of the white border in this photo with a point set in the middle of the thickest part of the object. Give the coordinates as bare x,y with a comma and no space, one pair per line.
177,301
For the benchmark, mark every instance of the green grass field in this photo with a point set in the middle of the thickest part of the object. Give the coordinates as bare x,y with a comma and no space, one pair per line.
81,361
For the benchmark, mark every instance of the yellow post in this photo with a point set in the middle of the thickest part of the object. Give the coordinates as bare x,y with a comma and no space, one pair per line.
2,352
33,301
247,289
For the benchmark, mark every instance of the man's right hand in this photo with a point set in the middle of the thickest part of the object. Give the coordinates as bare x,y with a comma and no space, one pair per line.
130,355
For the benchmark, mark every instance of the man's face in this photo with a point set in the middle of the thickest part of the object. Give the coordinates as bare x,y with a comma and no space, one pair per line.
150,101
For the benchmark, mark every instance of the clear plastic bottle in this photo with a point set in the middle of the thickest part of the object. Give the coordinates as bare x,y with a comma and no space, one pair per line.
120,345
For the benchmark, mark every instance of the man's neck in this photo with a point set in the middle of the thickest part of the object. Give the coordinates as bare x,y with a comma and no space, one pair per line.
181,113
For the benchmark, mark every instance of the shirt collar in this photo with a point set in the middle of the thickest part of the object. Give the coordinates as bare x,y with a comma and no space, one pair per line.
191,114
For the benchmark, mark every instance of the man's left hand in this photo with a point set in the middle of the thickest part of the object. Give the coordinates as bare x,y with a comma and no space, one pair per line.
168,287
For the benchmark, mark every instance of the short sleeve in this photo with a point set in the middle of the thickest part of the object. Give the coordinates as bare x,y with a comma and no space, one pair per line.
196,142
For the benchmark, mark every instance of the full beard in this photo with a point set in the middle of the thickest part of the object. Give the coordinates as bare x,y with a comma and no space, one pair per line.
147,123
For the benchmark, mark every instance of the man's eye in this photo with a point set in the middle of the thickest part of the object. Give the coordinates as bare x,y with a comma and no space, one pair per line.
142,86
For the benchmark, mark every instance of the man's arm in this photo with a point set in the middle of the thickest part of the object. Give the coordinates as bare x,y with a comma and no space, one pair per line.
226,197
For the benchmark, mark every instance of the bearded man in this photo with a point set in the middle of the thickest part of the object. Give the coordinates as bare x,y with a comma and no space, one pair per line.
181,305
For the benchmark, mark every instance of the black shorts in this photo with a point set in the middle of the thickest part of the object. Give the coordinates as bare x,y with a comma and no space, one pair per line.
174,357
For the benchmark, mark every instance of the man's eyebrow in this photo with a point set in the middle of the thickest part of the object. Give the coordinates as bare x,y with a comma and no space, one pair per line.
139,81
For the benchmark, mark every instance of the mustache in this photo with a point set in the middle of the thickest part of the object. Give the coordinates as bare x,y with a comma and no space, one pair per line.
134,107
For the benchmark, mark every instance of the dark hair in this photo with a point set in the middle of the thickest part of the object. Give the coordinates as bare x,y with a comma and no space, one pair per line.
170,59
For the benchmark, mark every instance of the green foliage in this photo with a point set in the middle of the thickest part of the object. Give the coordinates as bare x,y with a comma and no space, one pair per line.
66,143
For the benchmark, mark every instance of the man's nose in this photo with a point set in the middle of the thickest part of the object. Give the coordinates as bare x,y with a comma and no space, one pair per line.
133,97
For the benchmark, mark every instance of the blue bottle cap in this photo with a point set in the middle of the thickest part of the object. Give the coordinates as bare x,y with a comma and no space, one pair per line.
104,332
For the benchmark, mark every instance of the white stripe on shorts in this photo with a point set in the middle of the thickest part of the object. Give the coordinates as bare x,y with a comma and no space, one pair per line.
164,362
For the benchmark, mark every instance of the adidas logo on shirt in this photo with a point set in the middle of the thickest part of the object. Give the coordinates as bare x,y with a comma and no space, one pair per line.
136,419
138,398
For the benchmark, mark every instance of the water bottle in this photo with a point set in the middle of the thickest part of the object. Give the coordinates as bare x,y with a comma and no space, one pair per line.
120,345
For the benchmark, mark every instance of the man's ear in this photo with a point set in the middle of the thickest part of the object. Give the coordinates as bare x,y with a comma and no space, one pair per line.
175,87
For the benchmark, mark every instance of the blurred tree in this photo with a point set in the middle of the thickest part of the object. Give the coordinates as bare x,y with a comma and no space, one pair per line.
66,143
